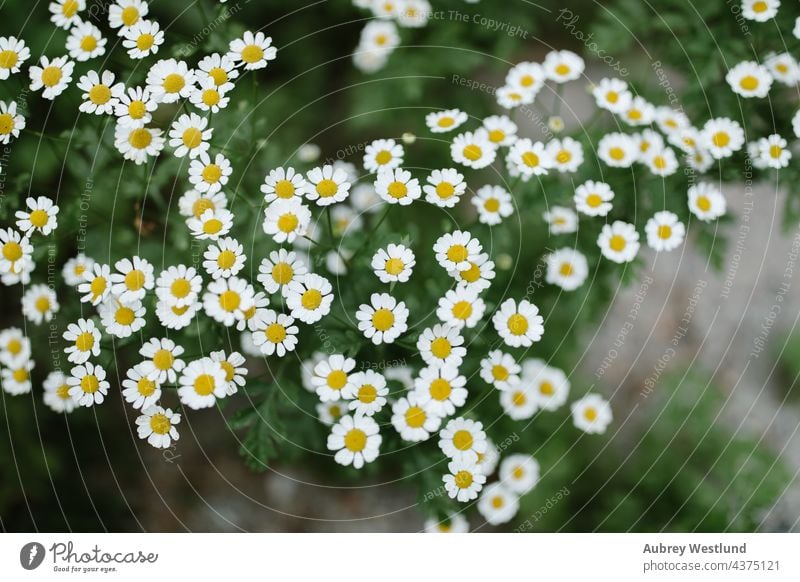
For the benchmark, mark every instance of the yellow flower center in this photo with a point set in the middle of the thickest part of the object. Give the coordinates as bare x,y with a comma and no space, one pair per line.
497,135
230,371
440,389
703,203
180,288
337,379
163,360
327,188
367,394
566,269
20,375
14,346
457,253
42,304
226,259
394,266
530,159
355,440
616,153
311,299
134,280
664,231
6,123
8,59
463,479
140,138
519,398
445,122
721,139
288,222
462,440
88,43
98,286
63,392
547,388
415,417
137,109
252,54
617,243
275,333
517,324
590,414
211,97
85,341
441,348
212,173
383,157
90,384
204,384
775,151
38,218
99,94
562,69
500,372
284,189
129,16
51,76
229,300
145,387
594,200
212,226
492,205
462,310
759,6
397,190
219,75
383,319
160,424
69,8
612,96
472,274
749,83
497,502
282,273
124,316
445,190
192,137
563,157
173,83
145,41
473,152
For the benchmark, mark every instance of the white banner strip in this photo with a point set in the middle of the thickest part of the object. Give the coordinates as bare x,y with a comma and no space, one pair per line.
401,557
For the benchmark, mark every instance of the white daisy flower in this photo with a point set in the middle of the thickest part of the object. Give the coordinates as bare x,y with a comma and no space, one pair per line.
273,332
501,130
260,302
562,66
591,414
226,300
671,120
784,68
706,202
749,79
85,339
565,155
157,425
500,370
463,481
493,204
760,10
211,225
327,185
309,298
252,51
135,108
170,80
163,362
478,277
96,284
331,377
10,122
133,279
529,158
397,186
393,264
14,346
661,162
189,136
498,504
687,139
100,94
441,345
235,373
367,392
721,137
414,13
473,149
700,161
139,390
329,413
369,60
142,39
561,220
382,154
365,199
207,175
379,39
773,152
549,386
461,307
356,441
617,150
285,220
56,393
526,77
202,382
194,204
648,142
87,384
224,258
210,97
121,319
85,41
220,68
612,95
567,268
138,144
413,421
13,54
16,379
640,112
455,523
664,231
174,317
619,242
179,286
463,439
52,76
283,184
125,13
455,250
343,219
39,304
444,121
279,269
66,13
39,217
383,319
518,324
440,389
510,97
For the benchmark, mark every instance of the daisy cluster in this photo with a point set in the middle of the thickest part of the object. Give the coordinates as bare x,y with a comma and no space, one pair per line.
752,79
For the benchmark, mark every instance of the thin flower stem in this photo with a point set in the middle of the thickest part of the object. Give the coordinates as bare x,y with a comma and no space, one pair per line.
371,233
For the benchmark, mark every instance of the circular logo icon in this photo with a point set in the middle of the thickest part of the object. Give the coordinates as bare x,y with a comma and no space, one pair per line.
31,555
